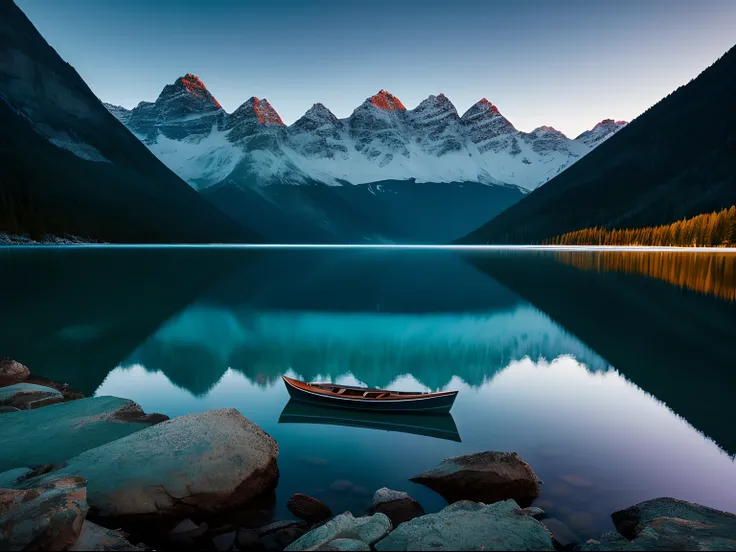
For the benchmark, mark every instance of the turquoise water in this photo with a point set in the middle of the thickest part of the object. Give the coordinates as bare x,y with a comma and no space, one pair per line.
610,373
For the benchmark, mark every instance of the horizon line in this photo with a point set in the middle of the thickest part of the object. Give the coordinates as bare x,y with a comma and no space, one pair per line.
623,248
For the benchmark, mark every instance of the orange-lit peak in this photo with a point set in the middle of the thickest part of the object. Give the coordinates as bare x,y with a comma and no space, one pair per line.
547,128
266,114
194,85
386,100
487,105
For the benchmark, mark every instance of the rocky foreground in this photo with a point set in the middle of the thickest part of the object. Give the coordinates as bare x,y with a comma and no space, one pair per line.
73,471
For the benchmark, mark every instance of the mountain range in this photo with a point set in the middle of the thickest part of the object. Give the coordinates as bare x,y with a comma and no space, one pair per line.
384,174
194,136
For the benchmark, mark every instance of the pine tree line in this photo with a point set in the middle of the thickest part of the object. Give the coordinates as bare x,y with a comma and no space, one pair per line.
706,230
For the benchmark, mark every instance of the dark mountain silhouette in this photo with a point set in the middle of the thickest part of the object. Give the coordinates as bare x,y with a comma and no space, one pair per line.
676,160
67,166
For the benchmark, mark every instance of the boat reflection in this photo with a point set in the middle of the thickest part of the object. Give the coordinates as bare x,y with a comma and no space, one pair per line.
439,426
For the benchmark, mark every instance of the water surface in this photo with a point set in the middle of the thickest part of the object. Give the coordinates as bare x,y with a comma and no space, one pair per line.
611,373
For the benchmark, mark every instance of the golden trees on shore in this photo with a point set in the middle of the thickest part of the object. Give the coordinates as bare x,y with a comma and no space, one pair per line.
706,230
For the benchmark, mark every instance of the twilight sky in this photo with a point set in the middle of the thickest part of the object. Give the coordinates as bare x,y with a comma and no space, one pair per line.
564,63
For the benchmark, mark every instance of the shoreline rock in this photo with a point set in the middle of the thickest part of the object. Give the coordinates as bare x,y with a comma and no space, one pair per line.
28,396
48,516
397,505
12,372
95,537
73,427
199,462
467,525
367,530
668,524
308,508
486,477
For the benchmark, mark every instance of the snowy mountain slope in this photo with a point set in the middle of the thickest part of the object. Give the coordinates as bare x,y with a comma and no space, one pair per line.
381,140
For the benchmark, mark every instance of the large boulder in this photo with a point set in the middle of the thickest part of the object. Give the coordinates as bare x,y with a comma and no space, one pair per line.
12,372
668,524
98,539
397,505
368,530
196,463
46,517
27,396
308,508
55,433
468,525
483,477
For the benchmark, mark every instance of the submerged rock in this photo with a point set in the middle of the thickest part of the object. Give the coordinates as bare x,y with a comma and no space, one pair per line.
397,505
45,517
12,372
483,477
561,533
308,508
96,538
668,524
368,530
73,427
469,525
27,396
200,462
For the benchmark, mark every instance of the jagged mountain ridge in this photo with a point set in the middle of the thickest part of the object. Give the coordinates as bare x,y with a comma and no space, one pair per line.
381,140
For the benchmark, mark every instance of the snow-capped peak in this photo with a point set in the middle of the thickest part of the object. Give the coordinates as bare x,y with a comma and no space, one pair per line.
189,86
480,108
439,103
316,116
547,129
262,110
600,132
387,101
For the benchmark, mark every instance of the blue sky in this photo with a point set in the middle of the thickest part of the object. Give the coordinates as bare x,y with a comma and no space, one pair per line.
566,63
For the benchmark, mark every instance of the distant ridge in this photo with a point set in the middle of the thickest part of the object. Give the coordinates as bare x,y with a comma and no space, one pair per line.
381,140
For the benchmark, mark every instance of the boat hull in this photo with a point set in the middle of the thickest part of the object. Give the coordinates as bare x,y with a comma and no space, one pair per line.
430,404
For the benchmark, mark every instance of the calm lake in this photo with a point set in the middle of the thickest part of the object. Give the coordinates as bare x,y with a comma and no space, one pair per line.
611,373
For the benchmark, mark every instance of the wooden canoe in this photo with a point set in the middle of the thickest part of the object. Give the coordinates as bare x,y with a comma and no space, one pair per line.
375,400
